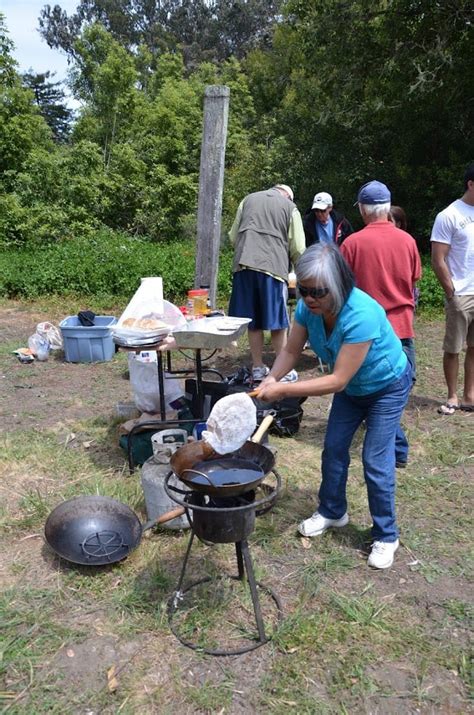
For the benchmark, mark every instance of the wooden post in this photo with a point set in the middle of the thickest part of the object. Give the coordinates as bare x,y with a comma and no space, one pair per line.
211,183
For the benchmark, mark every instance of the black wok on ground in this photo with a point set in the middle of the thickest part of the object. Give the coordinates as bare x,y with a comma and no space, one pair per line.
96,530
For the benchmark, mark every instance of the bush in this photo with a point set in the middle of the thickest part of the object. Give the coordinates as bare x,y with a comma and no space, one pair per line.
107,265
431,293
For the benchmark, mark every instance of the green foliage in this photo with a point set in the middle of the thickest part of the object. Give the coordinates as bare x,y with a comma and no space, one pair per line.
56,194
132,164
204,30
21,125
431,292
51,101
368,90
343,93
106,265
109,264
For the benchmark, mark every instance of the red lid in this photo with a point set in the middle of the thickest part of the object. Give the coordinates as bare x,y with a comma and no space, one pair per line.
197,291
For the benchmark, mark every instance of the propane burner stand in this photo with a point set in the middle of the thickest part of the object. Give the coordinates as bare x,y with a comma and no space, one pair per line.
228,520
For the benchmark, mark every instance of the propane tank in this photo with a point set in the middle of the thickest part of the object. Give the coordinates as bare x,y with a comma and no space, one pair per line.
154,472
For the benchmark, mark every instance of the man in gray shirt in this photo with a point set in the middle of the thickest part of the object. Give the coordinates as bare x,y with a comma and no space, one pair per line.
266,234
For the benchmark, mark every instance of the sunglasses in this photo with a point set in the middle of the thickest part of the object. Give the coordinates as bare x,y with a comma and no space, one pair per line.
312,292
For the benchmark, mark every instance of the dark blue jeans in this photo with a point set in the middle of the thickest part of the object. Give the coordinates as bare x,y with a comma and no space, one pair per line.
381,412
401,442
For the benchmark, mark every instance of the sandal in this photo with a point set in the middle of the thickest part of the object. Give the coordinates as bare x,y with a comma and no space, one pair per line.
466,408
448,409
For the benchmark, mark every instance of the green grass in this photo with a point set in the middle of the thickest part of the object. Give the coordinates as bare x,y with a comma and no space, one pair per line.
351,640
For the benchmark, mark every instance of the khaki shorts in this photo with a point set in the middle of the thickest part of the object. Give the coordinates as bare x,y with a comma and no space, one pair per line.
459,323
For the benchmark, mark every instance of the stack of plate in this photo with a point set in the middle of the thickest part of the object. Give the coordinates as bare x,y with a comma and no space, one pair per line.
138,338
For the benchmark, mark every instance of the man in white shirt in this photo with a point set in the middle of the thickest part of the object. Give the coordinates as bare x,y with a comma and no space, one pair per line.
452,258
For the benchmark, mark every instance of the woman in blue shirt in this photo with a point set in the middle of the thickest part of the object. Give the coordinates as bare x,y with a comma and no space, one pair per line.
370,377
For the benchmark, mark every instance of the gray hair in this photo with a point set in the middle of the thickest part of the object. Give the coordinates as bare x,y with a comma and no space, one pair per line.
375,211
324,264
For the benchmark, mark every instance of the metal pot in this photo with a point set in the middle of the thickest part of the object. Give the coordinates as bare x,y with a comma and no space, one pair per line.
252,460
222,521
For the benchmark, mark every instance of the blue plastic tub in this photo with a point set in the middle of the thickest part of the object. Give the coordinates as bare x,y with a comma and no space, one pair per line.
88,343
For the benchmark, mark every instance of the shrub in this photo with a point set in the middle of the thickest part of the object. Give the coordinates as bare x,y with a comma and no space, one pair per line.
431,293
109,265
106,265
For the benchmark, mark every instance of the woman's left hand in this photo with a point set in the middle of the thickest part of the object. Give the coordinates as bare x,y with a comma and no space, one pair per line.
270,390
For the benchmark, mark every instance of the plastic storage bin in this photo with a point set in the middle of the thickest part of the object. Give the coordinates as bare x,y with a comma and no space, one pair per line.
88,343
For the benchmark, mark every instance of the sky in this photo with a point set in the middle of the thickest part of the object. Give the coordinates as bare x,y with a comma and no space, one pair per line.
21,19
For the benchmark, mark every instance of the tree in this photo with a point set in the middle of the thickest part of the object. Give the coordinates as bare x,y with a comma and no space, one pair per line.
50,98
373,89
104,78
21,125
203,29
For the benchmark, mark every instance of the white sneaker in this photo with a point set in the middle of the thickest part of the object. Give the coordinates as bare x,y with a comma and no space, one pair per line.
291,376
317,524
259,373
381,556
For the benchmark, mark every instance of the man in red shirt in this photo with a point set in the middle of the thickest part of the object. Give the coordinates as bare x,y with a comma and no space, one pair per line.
386,265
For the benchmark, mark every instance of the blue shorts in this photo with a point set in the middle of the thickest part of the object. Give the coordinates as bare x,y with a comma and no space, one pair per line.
260,297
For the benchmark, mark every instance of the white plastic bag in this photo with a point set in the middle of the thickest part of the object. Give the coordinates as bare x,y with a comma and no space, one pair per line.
39,346
147,314
144,382
52,335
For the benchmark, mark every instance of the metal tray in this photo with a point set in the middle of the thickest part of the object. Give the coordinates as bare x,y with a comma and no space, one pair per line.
210,333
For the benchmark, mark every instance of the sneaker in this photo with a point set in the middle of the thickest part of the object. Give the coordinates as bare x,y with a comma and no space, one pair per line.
400,465
291,376
317,524
381,556
259,373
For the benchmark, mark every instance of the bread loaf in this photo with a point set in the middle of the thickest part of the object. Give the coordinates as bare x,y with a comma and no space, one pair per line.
144,324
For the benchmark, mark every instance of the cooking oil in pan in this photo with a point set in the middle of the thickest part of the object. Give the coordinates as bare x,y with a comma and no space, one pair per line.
224,472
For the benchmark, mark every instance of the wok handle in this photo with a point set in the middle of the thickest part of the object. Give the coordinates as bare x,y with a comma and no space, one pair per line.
167,516
264,426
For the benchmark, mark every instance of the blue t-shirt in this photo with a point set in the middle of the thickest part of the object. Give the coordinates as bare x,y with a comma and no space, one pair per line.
360,320
325,231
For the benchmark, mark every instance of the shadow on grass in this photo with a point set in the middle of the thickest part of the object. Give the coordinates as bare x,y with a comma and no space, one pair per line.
142,588
108,453
353,536
419,401
58,563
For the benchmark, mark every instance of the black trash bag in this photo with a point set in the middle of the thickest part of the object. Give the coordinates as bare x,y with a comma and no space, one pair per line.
243,376
86,317
212,391
287,413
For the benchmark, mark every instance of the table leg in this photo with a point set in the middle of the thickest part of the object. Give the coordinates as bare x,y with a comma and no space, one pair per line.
199,386
161,384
